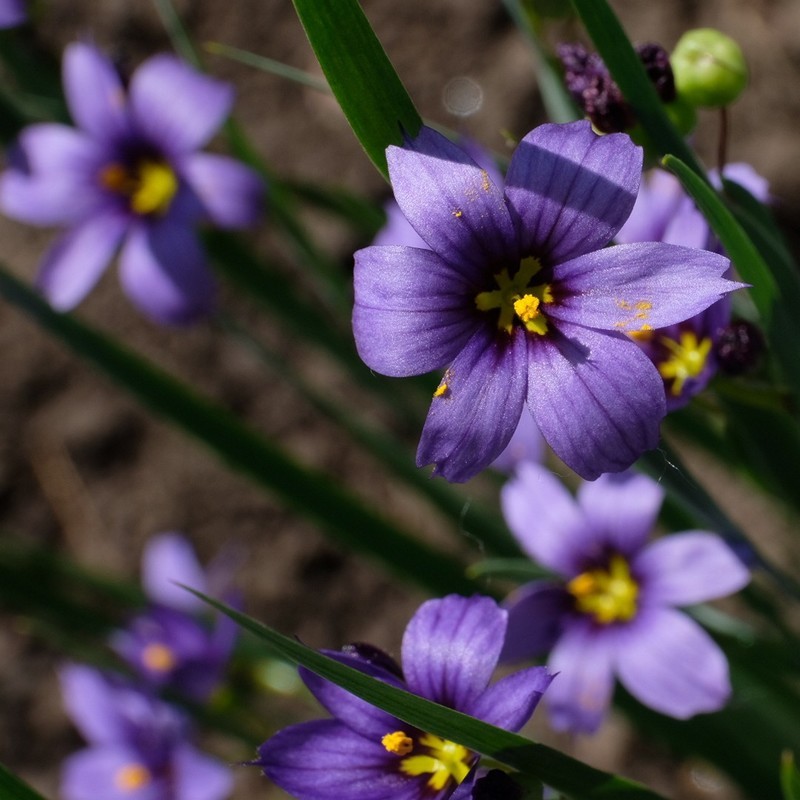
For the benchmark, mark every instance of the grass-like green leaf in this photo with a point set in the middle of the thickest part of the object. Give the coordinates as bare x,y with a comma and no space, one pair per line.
619,56
776,300
790,777
13,788
568,775
360,75
309,492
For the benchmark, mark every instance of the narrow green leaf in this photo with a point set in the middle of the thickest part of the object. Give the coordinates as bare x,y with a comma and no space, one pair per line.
774,295
360,75
12,787
520,569
307,491
560,771
619,56
790,777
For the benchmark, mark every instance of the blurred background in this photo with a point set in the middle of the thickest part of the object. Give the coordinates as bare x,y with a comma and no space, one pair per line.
87,473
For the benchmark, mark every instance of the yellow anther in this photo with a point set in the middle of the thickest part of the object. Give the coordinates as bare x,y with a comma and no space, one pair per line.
527,307
150,185
441,390
687,359
608,595
398,742
132,777
158,657
445,762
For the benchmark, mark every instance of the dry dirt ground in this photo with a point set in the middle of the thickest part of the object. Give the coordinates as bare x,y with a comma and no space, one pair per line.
88,473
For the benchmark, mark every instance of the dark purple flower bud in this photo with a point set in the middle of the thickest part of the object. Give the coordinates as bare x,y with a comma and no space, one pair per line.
739,348
496,785
373,655
655,60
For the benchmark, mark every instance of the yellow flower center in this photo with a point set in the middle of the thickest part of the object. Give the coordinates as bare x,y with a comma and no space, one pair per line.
150,185
609,595
687,359
516,298
132,777
444,761
158,657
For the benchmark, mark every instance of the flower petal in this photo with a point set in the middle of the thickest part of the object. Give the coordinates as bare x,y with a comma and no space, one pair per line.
452,204
526,444
571,189
197,776
91,705
510,702
74,264
633,287
583,663
12,13
535,620
451,647
688,568
669,663
176,107
477,406
596,397
621,510
95,94
93,773
358,715
164,272
412,312
544,518
232,194
168,560
660,197
325,760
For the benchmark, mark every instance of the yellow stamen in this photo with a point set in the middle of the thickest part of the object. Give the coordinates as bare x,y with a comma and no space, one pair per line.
609,595
398,742
132,777
517,299
687,360
158,657
441,389
150,185
445,761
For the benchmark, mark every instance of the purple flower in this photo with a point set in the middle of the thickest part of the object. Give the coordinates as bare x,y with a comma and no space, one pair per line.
171,644
138,746
12,13
129,178
520,299
684,354
612,611
449,652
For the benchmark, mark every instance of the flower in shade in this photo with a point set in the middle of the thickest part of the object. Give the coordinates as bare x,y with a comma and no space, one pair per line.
684,354
521,301
611,611
138,749
129,178
172,642
449,652
12,13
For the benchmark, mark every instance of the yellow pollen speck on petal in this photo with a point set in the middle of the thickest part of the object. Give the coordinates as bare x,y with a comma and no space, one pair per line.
158,657
458,213
486,184
609,595
398,742
132,777
687,359
644,334
441,390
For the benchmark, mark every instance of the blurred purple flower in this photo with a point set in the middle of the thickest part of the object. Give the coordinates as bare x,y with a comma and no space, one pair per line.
129,178
520,297
170,643
684,354
12,13
612,612
450,650
138,746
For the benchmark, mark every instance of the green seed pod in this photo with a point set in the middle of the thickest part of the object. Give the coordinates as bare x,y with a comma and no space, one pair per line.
709,67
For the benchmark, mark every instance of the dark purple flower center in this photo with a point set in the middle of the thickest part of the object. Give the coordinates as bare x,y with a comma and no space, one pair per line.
518,299
608,594
447,763
149,184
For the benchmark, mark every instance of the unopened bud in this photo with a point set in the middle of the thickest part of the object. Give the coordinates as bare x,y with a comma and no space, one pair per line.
496,785
739,348
709,68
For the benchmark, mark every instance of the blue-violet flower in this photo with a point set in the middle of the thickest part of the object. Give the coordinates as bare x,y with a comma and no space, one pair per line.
611,612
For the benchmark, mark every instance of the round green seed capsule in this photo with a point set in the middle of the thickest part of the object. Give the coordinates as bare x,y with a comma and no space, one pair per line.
709,67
